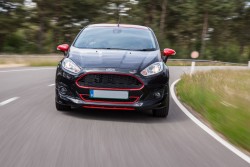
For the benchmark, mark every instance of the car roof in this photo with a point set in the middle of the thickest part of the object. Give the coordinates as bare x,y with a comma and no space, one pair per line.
120,25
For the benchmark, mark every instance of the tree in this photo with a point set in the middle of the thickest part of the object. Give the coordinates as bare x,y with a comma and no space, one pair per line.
240,25
10,18
219,29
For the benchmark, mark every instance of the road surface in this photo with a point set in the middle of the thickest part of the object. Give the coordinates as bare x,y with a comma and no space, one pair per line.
34,134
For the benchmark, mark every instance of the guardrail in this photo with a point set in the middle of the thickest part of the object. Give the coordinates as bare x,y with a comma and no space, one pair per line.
209,61
57,57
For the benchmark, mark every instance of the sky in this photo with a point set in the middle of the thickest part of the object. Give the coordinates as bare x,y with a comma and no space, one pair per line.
29,4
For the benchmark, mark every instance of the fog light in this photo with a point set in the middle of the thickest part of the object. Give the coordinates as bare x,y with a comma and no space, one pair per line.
75,100
66,75
63,90
157,94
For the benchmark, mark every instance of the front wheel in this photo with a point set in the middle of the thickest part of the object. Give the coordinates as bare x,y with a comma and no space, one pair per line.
61,107
162,112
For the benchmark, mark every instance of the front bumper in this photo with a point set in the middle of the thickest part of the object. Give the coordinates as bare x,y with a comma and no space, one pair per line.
69,93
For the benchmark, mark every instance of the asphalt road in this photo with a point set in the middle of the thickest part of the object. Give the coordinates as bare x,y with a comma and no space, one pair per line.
34,134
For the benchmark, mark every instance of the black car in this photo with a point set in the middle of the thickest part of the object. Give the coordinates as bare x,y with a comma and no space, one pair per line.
114,67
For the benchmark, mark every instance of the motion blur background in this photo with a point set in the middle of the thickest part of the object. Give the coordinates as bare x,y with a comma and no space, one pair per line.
218,29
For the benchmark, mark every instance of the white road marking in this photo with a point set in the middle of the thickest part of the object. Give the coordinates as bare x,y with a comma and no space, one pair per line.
51,85
205,128
27,70
8,101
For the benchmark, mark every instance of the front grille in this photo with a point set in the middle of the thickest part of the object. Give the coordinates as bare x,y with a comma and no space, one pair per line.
110,81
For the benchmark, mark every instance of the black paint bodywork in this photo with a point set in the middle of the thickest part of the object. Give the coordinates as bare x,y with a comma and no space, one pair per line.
121,62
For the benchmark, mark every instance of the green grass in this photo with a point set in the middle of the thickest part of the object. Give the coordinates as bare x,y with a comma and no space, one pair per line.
222,97
2,62
42,63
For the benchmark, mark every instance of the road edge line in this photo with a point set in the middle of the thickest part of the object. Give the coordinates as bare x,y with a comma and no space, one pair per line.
51,85
206,128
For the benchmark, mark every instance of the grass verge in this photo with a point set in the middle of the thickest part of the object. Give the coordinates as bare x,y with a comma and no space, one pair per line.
222,97
212,63
31,60
42,63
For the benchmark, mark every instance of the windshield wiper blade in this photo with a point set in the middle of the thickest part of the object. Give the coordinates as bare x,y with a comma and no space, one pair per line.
147,49
111,48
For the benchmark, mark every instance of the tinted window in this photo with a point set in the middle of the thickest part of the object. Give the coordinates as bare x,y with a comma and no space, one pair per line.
116,38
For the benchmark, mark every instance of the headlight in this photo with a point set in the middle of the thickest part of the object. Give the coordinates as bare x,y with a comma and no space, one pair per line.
153,69
70,66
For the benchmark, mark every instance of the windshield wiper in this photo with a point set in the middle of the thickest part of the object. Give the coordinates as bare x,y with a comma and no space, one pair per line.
111,48
147,49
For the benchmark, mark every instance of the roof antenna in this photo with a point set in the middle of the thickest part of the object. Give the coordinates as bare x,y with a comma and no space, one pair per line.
119,16
119,19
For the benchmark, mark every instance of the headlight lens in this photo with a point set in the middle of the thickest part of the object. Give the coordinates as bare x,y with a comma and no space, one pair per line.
70,66
153,69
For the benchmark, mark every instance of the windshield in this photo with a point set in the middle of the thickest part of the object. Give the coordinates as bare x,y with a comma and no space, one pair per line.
116,38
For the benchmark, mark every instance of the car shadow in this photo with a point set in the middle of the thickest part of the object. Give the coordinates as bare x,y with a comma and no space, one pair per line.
120,116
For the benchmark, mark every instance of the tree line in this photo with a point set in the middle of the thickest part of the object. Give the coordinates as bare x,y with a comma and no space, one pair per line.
218,29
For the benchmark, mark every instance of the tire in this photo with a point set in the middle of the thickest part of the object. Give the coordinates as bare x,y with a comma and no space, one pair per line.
162,112
61,107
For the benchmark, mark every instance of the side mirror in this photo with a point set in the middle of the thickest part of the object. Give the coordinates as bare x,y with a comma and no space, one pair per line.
64,48
168,52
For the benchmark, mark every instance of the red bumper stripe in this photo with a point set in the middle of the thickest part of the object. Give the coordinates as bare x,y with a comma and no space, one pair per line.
110,102
109,108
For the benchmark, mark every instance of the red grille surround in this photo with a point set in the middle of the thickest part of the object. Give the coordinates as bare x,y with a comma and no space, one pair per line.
101,88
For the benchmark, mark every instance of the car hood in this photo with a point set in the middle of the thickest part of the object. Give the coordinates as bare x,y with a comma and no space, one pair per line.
123,59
